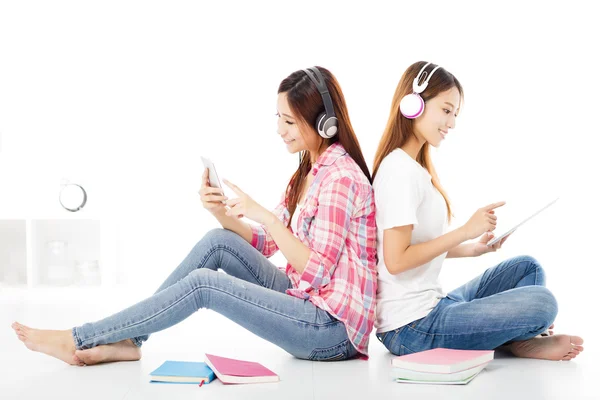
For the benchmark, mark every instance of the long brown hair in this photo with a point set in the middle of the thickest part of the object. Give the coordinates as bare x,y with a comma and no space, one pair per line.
306,103
400,129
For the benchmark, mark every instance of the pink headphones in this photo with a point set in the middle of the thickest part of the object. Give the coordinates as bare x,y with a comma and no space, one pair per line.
412,105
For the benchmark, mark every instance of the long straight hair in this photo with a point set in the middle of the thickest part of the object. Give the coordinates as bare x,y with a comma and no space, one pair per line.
400,129
306,103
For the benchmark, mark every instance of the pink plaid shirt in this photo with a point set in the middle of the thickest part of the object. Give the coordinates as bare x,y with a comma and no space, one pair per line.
337,223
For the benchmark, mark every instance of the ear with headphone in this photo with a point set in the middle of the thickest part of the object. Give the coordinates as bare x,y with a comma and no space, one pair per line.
326,123
412,105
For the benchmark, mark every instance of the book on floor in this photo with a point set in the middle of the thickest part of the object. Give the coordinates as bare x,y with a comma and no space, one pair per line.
456,378
230,370
443,361
461,382
182,372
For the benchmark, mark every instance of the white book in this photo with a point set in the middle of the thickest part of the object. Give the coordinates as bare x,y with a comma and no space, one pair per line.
460,376
463,382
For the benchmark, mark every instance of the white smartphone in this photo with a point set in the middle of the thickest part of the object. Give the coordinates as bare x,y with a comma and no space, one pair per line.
213,178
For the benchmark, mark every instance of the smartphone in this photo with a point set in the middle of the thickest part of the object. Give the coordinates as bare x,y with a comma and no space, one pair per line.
213,178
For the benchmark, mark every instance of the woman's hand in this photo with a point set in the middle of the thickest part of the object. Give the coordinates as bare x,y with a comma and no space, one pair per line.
212,198
245,206
483,220
481,246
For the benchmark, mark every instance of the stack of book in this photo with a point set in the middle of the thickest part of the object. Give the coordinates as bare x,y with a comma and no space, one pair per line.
440,366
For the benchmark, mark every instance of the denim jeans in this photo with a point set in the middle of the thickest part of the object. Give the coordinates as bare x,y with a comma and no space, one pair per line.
506,303
250,293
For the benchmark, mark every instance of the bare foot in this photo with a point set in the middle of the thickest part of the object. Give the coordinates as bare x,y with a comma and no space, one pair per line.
555,347
58,344
120,351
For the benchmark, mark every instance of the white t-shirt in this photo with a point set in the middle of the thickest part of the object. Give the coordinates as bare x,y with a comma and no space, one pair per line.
294,225
405,195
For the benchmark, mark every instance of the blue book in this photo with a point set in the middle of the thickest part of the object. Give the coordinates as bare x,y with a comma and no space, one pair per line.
182,372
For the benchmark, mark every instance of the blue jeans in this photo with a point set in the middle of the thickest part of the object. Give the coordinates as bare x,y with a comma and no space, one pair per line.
506,303
251,293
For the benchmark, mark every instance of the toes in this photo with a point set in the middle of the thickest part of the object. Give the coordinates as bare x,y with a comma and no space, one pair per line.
576,340
86,356
80,355
78,361
580,348
567,358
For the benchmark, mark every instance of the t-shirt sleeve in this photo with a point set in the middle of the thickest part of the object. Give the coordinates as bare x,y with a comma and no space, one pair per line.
397,196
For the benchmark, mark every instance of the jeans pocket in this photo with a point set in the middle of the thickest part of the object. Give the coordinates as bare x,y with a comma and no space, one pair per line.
382,336
394,341
334,353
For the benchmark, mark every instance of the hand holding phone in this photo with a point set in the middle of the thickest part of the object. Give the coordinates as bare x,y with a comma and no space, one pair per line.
212,173
211,191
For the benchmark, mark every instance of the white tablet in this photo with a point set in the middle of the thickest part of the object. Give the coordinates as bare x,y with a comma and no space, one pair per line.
496,239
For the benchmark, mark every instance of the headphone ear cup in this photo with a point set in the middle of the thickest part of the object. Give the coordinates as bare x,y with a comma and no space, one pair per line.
330,127
412,106
326,127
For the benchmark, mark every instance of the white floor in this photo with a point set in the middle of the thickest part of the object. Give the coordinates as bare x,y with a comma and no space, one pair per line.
28,375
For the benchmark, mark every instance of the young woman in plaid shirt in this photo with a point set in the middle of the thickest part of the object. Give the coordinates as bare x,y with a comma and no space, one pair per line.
321,307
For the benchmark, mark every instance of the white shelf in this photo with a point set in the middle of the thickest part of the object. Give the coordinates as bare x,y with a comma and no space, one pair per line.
44,253
13,252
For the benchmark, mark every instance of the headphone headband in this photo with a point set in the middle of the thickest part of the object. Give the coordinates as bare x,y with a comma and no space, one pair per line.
319,81
420,88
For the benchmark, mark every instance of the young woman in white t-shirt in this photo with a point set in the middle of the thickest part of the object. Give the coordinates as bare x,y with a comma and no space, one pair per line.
507,305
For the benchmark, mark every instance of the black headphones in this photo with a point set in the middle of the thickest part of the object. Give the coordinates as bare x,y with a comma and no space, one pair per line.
326,123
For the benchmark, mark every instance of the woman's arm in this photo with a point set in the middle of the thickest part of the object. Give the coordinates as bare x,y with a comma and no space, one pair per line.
331,222
330,228
234,224
462,250
270,235
400,256
295,252
478,248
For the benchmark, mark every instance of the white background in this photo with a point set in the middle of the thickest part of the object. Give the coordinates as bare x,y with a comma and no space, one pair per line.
124,96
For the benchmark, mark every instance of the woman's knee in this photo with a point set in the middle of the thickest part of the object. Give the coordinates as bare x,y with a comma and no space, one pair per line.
533,266
213,241
201,276
217,236
543,305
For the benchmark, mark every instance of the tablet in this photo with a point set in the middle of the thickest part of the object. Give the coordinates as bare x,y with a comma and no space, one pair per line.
498,238
213,178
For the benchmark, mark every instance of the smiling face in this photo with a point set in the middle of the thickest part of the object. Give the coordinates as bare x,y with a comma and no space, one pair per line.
438,118
292,129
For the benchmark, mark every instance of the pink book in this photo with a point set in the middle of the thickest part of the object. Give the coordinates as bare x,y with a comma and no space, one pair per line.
443,361
229,370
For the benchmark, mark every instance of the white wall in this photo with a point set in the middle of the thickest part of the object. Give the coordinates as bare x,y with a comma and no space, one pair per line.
124,97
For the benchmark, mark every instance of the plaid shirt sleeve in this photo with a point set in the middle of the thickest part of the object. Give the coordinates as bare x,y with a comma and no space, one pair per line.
332,222
261,239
